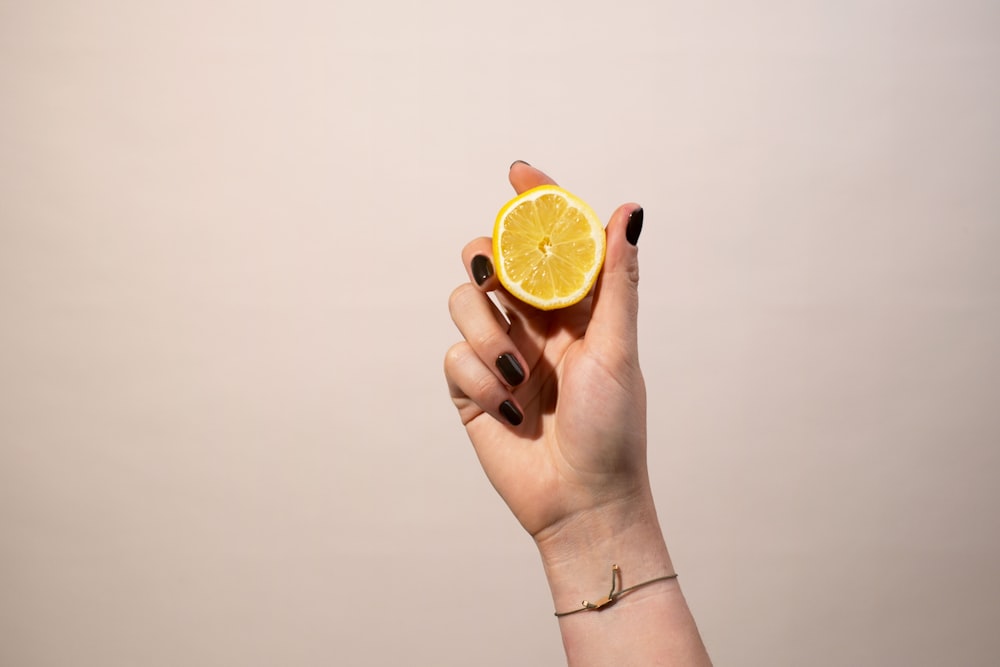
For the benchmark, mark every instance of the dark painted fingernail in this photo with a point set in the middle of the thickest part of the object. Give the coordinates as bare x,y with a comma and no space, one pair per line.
511,413
634,226
516,162
482,268
510,369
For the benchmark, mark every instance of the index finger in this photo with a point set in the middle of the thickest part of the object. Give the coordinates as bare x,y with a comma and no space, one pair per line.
524,177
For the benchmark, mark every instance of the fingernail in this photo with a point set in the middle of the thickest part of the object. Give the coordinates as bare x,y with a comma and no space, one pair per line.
482,268
511,413
634,226
510,369
516,162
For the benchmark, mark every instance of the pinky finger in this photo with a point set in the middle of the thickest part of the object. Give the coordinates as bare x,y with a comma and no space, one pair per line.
475,389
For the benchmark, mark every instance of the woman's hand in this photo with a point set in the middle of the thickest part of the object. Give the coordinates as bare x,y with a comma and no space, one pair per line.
555,406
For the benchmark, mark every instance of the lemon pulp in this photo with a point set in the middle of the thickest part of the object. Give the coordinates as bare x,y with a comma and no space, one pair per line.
548,247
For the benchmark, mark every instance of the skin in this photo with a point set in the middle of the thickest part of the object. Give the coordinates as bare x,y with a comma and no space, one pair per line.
574,471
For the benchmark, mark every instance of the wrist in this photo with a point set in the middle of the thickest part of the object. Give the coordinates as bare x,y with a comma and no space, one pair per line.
578,553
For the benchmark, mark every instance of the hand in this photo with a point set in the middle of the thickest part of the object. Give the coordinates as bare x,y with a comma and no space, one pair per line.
559,424
556,409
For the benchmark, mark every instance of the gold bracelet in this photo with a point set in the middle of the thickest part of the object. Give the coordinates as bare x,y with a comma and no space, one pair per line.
616,592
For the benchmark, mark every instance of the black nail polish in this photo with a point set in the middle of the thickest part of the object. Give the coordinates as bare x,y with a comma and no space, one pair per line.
516,162
510,369
511,413
482,268
634,226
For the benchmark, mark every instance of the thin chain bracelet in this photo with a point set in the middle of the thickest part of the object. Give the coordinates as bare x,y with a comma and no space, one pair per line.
616,592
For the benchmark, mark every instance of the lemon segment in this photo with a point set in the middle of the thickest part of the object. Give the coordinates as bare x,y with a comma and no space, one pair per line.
548,247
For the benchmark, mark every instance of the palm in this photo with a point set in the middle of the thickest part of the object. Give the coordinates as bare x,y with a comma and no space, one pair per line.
575,411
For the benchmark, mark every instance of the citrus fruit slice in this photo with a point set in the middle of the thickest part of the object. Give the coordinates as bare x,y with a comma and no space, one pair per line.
548,247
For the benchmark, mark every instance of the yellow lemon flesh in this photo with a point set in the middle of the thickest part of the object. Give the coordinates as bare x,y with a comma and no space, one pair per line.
548,247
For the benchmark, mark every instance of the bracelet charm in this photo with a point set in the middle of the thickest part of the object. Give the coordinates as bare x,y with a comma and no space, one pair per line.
616,592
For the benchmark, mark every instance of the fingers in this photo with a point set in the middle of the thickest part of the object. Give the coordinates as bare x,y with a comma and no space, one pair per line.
616,297
524,177
475,389
476,318
482,369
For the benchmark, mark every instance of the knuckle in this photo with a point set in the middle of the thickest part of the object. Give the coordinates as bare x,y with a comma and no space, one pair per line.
460,297
454,356
633,273
486,385
488,340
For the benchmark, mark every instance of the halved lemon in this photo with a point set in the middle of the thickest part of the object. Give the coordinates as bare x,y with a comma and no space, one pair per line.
548,247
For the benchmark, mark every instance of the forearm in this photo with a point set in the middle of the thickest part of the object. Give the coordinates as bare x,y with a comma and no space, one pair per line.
650,625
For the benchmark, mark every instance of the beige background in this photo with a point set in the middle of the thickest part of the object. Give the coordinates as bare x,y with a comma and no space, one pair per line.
228,231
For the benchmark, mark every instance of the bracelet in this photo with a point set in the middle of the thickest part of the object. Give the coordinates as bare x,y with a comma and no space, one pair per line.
616,592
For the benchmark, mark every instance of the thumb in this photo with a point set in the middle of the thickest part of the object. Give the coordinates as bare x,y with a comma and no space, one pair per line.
612,329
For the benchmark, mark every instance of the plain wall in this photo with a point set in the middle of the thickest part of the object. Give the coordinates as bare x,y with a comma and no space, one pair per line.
228,232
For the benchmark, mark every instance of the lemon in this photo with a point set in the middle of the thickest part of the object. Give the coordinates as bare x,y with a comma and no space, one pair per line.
548,247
